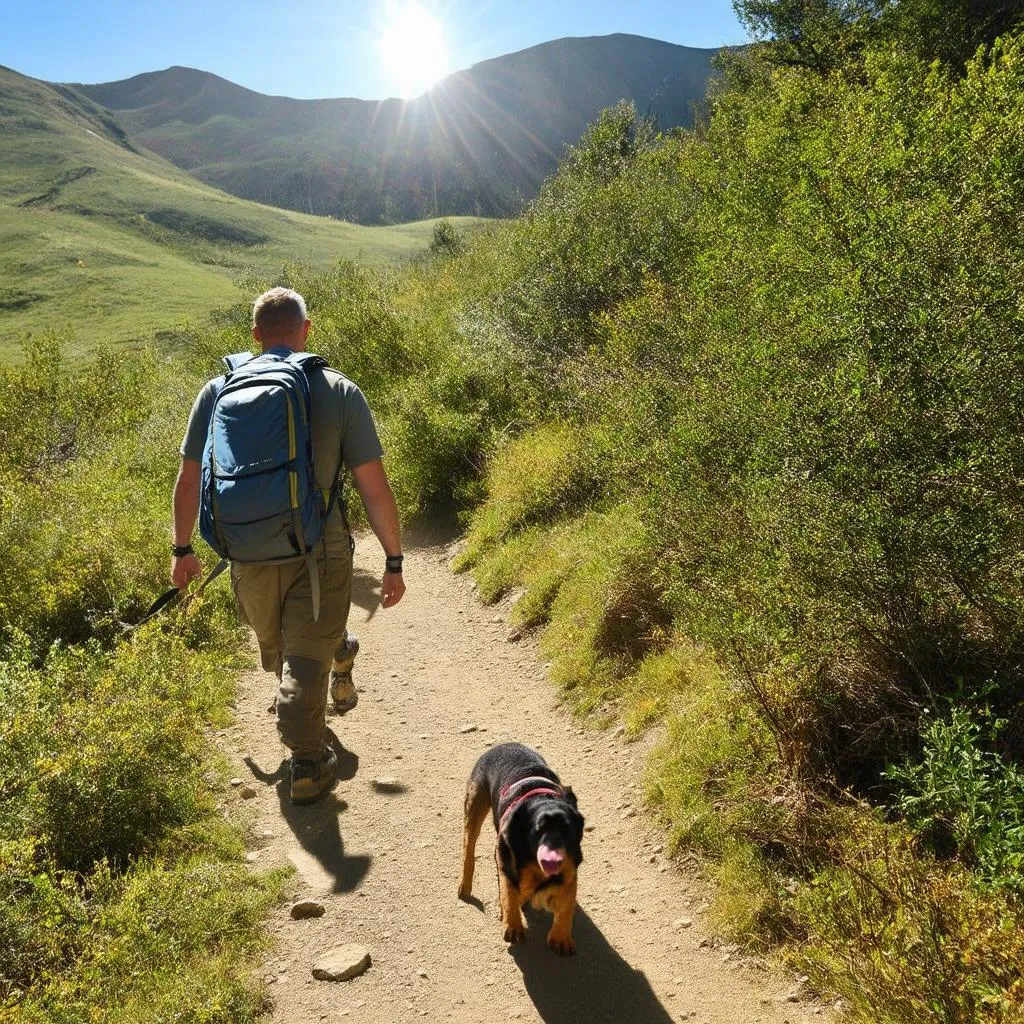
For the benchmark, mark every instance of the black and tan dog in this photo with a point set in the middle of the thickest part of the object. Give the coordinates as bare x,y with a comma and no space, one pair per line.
538,844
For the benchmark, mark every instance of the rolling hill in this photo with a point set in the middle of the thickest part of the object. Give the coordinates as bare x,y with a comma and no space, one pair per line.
103,240
480,142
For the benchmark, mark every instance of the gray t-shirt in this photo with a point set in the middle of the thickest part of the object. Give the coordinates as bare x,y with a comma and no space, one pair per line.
341,425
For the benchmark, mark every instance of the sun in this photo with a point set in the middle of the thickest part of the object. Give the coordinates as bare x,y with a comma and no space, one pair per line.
412,48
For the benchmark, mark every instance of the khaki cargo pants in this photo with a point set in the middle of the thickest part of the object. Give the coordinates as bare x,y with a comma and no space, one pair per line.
276,600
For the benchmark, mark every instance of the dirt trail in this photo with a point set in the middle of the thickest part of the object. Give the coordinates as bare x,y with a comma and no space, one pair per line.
382,851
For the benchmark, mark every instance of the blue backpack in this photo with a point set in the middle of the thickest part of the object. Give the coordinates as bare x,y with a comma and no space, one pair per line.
259,498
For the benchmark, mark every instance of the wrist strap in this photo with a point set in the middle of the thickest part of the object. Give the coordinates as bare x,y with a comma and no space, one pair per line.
181,550
393,564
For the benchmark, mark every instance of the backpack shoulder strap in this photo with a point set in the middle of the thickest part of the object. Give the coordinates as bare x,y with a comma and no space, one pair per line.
306,361
310,361
238,359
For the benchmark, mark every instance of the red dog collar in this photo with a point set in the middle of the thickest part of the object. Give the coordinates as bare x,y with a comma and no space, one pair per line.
546,788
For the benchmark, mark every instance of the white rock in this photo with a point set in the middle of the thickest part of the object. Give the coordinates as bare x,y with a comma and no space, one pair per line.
342,963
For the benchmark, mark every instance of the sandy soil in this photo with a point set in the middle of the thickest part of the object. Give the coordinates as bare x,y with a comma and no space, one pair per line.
439,682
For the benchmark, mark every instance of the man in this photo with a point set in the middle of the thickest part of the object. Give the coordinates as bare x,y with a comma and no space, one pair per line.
297,643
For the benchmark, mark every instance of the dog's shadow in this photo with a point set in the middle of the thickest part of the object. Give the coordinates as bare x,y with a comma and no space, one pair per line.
594,985
316,826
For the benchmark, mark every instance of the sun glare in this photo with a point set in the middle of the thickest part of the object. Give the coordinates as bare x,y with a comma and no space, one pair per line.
412,48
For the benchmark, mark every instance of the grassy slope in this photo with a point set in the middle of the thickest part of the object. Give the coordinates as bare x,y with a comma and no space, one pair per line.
109,243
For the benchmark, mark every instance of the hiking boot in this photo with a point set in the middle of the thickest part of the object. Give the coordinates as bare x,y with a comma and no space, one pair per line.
311,779
343,690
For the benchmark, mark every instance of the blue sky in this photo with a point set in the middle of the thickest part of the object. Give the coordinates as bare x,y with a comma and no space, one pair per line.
313,48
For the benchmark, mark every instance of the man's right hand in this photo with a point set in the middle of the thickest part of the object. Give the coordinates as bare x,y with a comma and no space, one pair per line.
391,589
184,570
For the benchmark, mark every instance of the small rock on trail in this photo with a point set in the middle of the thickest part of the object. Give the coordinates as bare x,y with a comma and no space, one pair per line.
342,963
306,909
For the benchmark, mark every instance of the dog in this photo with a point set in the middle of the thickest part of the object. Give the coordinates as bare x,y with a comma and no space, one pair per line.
539,830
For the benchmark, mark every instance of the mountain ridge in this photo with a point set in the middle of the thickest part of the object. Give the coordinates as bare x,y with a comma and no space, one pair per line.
550,45
480,142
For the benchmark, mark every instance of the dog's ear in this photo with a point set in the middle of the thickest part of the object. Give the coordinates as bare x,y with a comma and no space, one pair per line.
577,818
574,836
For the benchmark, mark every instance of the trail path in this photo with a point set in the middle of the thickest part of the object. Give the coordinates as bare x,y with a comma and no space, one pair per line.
382,852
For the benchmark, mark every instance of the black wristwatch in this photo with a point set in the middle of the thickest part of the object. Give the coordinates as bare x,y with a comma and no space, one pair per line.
393,564
181,550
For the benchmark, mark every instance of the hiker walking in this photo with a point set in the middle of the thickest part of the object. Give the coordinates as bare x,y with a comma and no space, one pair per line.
260,466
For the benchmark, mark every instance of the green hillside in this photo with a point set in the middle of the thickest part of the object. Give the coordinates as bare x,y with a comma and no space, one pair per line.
105,241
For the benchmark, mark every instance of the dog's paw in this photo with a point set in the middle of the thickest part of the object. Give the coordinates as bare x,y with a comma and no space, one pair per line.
465,893
562,945
515,933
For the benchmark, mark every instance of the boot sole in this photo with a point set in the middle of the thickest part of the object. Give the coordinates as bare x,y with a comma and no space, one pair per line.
305,801
344,709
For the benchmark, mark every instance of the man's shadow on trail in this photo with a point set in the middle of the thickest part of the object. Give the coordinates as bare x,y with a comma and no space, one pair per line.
440,529
365,591
316,826
594,985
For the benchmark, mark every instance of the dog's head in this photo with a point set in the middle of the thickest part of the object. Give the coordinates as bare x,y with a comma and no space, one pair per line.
555,831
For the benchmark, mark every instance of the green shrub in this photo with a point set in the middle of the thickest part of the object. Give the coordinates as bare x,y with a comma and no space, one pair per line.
790,341
446,240
550,472
162,943
125,764
965,799
903,939
435,399
123,895
85,477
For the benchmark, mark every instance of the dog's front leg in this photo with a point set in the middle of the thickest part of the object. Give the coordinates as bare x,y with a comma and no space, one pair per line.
511,912
564,906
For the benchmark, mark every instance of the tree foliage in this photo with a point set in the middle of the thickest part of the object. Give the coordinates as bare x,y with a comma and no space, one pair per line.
826,35
819,34
951,30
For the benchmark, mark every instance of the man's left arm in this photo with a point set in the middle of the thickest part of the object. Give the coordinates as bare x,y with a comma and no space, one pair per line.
379,500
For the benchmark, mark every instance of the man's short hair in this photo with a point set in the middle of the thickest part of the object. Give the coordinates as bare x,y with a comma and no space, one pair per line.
279,312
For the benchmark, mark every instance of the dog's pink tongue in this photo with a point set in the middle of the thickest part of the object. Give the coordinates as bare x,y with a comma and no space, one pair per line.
550,861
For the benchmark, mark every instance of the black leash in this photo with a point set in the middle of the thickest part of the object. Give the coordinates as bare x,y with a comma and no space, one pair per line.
169,597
